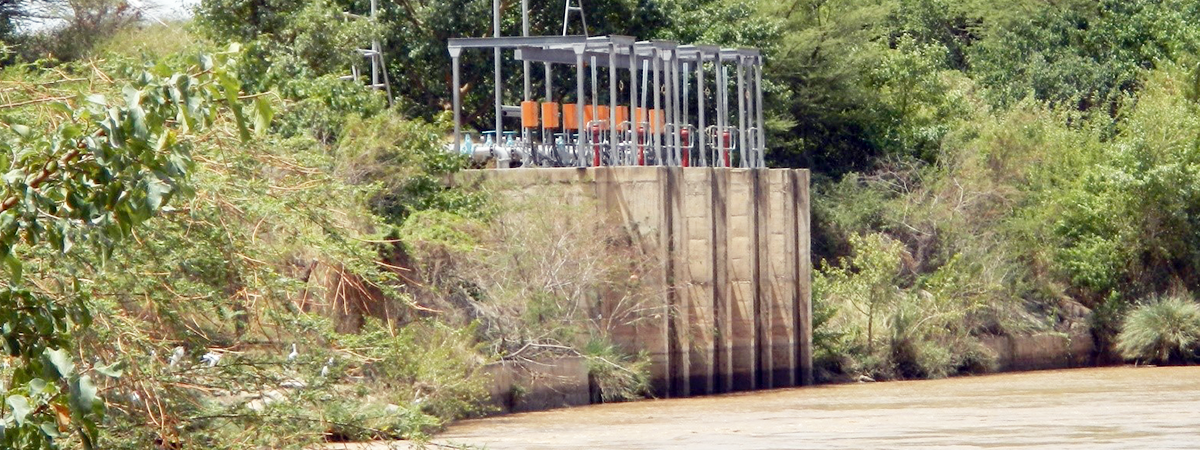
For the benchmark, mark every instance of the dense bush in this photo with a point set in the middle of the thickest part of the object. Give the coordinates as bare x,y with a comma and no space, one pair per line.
1162,330
886,327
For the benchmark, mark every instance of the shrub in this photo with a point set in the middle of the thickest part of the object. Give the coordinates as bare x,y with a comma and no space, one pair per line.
1164,330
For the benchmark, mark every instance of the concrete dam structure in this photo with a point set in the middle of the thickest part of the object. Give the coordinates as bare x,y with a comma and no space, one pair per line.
734,304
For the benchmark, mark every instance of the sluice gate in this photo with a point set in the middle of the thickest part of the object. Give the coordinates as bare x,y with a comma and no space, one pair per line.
734,300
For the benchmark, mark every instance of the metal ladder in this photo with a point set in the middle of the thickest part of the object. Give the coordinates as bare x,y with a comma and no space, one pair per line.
567,16
379,76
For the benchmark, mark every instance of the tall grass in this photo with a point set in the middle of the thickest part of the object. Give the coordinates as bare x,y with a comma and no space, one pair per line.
1164,330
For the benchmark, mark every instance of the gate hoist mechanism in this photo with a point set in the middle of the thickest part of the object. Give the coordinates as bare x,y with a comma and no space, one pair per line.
665,103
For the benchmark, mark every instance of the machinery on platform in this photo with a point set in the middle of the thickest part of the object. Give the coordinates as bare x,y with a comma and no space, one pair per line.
634,102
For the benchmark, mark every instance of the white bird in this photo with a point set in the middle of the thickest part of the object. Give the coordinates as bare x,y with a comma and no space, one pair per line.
292,356
176,356
325,368
211,358
293,384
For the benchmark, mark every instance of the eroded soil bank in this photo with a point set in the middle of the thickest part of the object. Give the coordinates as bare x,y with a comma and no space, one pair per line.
1114,408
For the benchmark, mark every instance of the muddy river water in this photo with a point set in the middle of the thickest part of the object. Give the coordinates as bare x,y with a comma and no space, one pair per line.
1105,408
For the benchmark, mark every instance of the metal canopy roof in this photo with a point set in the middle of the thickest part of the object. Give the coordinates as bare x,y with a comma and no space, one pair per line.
562,49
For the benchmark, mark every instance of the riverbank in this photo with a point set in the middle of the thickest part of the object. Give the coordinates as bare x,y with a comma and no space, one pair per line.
1113,407
564,382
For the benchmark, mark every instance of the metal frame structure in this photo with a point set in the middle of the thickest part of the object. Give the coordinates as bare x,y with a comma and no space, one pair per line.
657,124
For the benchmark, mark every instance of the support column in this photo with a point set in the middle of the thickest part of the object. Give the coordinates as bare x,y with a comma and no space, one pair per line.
612,104
804,276
653,129
722,112
741,94
677,137
455,54
587,131
525,32
580,154
499,84
700,144
686,73
762,126
631,158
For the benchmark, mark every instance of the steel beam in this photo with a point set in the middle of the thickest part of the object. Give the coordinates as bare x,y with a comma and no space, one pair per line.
499,84
612,104
455,53
762,125
579,101
559,42
656,137
700,144
741,93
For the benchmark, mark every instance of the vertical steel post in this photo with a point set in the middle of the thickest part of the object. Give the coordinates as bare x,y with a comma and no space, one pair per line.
751,141
675,109
722,111
499,86
741,93
634,143
595,87
549,83
612,103
595,103
658,156
525,32
700,108
547,138
646,138
580,159
762,126
687,102
375,49
455,52
667,113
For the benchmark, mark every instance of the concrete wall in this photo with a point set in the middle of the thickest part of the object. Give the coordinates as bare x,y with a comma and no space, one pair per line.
735,307
538,386
1042,351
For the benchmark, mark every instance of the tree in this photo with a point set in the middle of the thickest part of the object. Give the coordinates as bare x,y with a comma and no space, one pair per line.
87,179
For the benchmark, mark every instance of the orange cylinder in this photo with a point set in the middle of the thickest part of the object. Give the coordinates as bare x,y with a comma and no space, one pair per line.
622,114
570,116
550,115
602,113
656,120
529,114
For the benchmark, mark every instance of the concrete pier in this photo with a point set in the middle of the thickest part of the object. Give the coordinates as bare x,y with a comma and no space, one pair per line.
735,304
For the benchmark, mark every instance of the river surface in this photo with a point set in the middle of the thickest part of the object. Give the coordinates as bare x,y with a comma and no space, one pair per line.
1104,408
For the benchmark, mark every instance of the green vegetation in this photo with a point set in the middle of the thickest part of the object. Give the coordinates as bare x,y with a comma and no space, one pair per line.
1164,330
206,233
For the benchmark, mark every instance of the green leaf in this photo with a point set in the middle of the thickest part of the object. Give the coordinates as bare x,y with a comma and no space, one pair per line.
114,370
20,408
262,115
61,360
51,430
83,394
14,176
155,190
230,87
21,130
138,116
15,268
97,99
37,386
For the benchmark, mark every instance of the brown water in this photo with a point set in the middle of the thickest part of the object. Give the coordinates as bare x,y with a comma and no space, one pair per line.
1107,408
